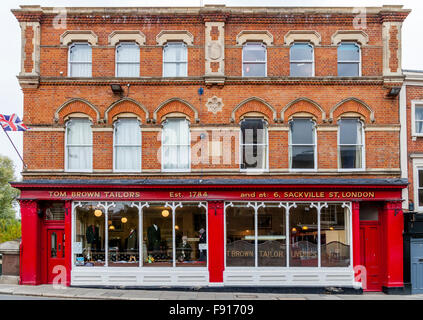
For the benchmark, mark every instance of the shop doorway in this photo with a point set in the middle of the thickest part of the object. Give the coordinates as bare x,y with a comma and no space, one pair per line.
370,246
417,266
55,253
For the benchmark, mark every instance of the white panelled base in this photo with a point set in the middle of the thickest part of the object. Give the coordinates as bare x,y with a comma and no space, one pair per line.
289,277
147,277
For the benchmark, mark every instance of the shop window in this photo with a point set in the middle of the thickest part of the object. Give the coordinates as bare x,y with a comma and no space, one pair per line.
78,145
122,226
271,236
175,59
240,236
369,212
303,230
302,140
89,241
80,60
301,60
254,144
176,145
128,60
254,60
190,236
349,60
350,141
334,236
53,211
127,145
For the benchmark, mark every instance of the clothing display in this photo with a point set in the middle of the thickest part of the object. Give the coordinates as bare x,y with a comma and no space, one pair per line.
153,238
92,234
132,240
202,241
183,253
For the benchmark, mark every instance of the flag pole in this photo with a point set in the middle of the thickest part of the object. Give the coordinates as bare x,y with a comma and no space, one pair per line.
25,167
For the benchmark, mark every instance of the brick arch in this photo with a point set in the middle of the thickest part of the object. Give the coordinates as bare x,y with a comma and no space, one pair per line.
303,105
126,105
76,105
176,105
352,105
254,104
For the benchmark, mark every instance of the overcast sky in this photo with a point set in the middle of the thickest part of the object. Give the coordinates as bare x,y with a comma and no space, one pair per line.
10,92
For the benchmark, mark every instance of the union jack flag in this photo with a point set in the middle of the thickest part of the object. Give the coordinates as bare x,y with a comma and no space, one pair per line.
12,123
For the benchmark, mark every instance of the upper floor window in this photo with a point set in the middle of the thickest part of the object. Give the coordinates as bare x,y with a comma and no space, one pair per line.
176,145
349,60
418,119
175,59
127,145
302,143
302,60
254,60
127,60
79,144
80,60
254,144
350,142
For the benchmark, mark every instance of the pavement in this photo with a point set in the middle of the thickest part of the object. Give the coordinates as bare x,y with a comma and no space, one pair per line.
19,292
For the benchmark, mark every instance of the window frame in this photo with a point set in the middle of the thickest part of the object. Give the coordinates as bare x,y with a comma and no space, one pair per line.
132,145
163,145
79,62
415,104
90,169
241,144
245,45
417,166
164,62
127,62
314,145
363,147
350,61
291,61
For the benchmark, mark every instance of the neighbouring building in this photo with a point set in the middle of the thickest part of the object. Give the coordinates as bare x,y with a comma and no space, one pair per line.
212,146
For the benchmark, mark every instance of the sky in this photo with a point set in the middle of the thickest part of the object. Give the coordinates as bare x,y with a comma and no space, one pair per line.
11,95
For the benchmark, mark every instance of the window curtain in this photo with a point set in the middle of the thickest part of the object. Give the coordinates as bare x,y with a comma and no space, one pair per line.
176,145
419,119
128,60
79,144
175,60
127,145
80,60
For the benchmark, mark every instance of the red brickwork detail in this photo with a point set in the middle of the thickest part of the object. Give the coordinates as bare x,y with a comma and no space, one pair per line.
126,107
393,49
44,150
327,149
254,106
29,49
77,107
103,146
151,144
176,106
303,106
382,150
214,66
214,33
352,106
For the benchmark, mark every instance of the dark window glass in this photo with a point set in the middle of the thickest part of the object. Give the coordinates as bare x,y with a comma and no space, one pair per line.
350,144
302,144
301,60
348,60
254,144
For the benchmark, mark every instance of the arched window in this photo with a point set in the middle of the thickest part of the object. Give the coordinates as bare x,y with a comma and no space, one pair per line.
176,145
127,145
127,59
254,150
302,60
349,59
175,59
302,144
350,144
254,60
79,144
80,60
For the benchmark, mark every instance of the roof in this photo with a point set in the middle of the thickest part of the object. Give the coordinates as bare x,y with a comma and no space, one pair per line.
206,182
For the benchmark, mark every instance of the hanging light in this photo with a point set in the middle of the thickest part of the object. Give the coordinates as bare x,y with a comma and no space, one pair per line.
294,229
165,213
109,222
124,220
176,227
305,228
112,227
332,228
98,213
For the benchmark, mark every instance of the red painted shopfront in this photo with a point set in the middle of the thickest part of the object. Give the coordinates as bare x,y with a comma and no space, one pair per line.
371,231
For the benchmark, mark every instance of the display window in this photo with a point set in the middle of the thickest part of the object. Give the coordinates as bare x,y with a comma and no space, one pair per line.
319,235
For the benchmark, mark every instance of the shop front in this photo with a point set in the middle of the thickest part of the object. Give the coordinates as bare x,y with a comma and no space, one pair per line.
186,233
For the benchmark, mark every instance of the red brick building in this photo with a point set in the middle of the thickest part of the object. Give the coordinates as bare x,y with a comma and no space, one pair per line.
259,145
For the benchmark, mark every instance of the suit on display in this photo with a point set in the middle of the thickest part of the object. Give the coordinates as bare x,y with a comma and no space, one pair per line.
153,238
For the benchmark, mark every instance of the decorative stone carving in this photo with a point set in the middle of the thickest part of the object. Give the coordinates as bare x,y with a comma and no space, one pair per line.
175,35
350,35
215,51
214,104
254,35
78,35
126,35
302,35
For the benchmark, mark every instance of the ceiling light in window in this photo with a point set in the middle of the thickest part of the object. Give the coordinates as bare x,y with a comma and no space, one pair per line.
124,220
98,213
165,213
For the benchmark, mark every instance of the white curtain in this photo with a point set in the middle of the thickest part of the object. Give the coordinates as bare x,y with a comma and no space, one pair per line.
127,145
80,60
79,144
128,60
176,145
175,60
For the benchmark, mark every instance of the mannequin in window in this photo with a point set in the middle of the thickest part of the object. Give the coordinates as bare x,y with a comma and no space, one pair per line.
201,243
184,252
153,238
132,244
92,237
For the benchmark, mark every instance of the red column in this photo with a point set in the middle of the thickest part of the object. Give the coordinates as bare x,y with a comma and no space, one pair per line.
30,247
356,234
68,240
216,240
392,245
